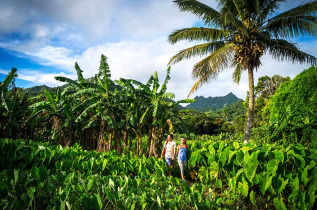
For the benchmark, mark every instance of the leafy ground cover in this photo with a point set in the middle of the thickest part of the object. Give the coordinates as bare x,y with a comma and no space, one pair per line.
229,174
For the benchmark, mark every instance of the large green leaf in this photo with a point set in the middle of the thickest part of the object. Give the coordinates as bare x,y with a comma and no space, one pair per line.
251,167
279,204
252,198
244,188
50,99
111,122
272,166
96,201
266,181
279,156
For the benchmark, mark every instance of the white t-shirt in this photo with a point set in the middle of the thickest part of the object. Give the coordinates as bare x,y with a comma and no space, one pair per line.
170,148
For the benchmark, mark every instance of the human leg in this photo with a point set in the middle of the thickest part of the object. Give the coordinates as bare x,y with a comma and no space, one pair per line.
181,166
169,162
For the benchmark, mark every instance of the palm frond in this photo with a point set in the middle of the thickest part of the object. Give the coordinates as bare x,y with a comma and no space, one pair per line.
209,15
295,22
197,50
197,33
283,50
292,26
309,9
195,87
232,23
239,4
267,8
236,76
214,63
210,67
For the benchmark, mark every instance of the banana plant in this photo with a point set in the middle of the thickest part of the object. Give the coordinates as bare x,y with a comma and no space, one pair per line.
136,107
101,105
56,109
13,107
160,105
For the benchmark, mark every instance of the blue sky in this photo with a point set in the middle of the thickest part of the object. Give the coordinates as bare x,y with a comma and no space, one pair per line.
43,39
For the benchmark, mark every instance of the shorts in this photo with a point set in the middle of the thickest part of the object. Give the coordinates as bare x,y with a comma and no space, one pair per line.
169,161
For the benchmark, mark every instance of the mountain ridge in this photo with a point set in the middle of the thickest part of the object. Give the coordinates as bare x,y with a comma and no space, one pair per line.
218,102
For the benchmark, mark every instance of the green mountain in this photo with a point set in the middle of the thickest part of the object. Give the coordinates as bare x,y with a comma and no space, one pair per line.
203,104
33,91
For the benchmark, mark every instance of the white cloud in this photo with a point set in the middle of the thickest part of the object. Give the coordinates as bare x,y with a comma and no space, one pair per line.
139,60
132,34
43,78
54,56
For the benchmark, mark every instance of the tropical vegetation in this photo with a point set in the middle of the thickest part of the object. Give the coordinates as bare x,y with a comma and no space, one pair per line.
94,143
239,34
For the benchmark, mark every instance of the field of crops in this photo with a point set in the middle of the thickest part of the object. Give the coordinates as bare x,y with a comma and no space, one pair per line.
229,174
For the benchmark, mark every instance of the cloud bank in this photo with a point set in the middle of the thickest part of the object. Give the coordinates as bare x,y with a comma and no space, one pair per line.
132,34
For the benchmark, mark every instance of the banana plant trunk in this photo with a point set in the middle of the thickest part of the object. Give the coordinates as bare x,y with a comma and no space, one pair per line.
158,144
153,141
140,149
247,133
148,146
138,143
100,146
125,136
117,141
70,138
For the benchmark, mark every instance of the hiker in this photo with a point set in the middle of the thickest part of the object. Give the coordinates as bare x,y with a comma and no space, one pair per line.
169,150
181,152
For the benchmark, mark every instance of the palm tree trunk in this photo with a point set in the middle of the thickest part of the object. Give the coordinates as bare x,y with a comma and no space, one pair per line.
247,133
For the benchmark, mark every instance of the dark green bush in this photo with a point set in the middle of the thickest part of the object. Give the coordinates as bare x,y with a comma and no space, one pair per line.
293,109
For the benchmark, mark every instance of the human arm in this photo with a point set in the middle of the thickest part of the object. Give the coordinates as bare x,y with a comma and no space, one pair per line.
164,149
175,153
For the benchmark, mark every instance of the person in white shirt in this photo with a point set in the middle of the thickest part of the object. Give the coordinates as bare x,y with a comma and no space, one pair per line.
169,150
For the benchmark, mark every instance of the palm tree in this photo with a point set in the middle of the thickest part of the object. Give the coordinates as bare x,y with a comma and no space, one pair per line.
238,34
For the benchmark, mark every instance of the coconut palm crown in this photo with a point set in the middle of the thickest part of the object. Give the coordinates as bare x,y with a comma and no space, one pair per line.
238,34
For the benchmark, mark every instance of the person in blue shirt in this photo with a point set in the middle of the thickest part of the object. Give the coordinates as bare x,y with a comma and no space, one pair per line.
181,152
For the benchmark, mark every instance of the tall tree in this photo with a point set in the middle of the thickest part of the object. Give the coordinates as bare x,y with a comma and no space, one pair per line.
238,34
